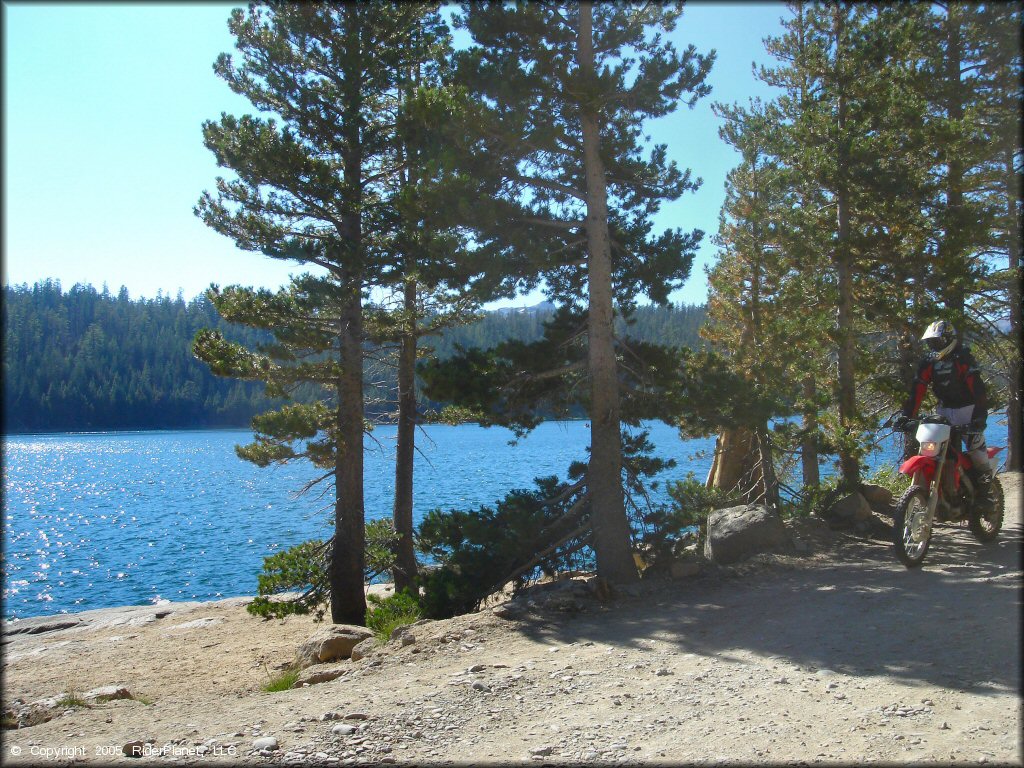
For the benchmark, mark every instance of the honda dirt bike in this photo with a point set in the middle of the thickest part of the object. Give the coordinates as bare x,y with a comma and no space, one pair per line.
941,490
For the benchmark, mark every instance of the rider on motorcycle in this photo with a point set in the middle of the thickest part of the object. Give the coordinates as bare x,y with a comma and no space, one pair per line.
956,381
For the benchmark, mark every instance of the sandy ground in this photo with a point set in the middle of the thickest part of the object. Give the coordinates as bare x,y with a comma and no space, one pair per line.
842,656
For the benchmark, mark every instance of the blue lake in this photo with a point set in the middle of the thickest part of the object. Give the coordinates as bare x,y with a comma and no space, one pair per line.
128,518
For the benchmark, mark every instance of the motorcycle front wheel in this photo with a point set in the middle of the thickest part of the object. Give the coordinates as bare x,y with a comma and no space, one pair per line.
986,527
911,534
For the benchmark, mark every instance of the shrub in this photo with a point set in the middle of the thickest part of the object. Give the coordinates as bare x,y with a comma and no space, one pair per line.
889,478
543,530
303,568
813,500
477,549
385,614
667,528
299,568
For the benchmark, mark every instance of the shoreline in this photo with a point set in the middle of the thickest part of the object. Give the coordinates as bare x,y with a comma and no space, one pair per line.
129,615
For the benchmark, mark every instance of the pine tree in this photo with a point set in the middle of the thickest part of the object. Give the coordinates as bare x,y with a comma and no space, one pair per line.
559,95
315,188
996,35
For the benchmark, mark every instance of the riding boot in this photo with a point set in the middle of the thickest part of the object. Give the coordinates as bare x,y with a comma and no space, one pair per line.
982,491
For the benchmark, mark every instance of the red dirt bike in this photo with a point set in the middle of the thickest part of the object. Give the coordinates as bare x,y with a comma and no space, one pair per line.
941,490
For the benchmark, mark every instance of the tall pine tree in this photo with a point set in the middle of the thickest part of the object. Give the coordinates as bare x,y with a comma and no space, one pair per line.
560,93
313,184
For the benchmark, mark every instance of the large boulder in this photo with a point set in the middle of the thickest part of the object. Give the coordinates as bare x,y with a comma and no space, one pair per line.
738,533
331,643
880,499
849,510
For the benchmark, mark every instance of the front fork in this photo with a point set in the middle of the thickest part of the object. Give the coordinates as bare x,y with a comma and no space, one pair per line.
936,491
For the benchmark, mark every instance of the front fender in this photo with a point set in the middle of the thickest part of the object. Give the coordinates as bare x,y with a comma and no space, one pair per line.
923,464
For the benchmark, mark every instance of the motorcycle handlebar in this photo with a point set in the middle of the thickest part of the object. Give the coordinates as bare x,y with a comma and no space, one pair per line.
909,425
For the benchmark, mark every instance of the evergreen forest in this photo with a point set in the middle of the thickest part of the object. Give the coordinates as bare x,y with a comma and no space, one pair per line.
89,360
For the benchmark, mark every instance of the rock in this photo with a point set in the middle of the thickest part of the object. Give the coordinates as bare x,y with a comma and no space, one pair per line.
268,743
478,686
344,730
477,668
18,714
320,675
134,749
850,509
364,648
507,611
107,693
331,643
357,716
541,751
876,495
683,570
737,533
403,636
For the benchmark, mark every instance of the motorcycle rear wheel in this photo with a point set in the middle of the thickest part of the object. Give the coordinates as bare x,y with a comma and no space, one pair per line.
910,536
986,527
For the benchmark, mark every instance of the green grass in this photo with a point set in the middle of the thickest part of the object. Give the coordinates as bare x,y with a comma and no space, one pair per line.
283,681
386,614
72,698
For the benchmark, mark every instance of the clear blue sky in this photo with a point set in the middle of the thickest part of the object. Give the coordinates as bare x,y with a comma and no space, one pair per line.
103,156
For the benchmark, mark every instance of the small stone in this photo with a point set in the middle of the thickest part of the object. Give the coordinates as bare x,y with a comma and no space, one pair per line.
662,671
357,716
477,668
267,743
323,717
343,730
107,693
541,751
133,749
478,686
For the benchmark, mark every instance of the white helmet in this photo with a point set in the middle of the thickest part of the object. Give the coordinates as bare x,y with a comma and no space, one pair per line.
940,337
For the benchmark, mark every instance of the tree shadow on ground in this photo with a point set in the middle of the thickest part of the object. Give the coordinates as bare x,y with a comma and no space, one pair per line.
954,623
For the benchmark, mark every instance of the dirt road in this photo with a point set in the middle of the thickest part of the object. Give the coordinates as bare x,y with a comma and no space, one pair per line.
838,658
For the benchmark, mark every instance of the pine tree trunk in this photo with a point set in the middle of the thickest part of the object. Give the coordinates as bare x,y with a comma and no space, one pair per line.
908,364
842,259
611,535
404,573
809,442
734,459
951,248
348,600
348,597
848,463
1015,452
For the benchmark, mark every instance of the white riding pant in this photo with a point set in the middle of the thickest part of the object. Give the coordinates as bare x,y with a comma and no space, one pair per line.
976,448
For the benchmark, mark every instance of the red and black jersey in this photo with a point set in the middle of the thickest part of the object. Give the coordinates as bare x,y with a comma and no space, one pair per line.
955,380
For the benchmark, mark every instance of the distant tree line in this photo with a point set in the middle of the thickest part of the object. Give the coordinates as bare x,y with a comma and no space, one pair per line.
88,359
